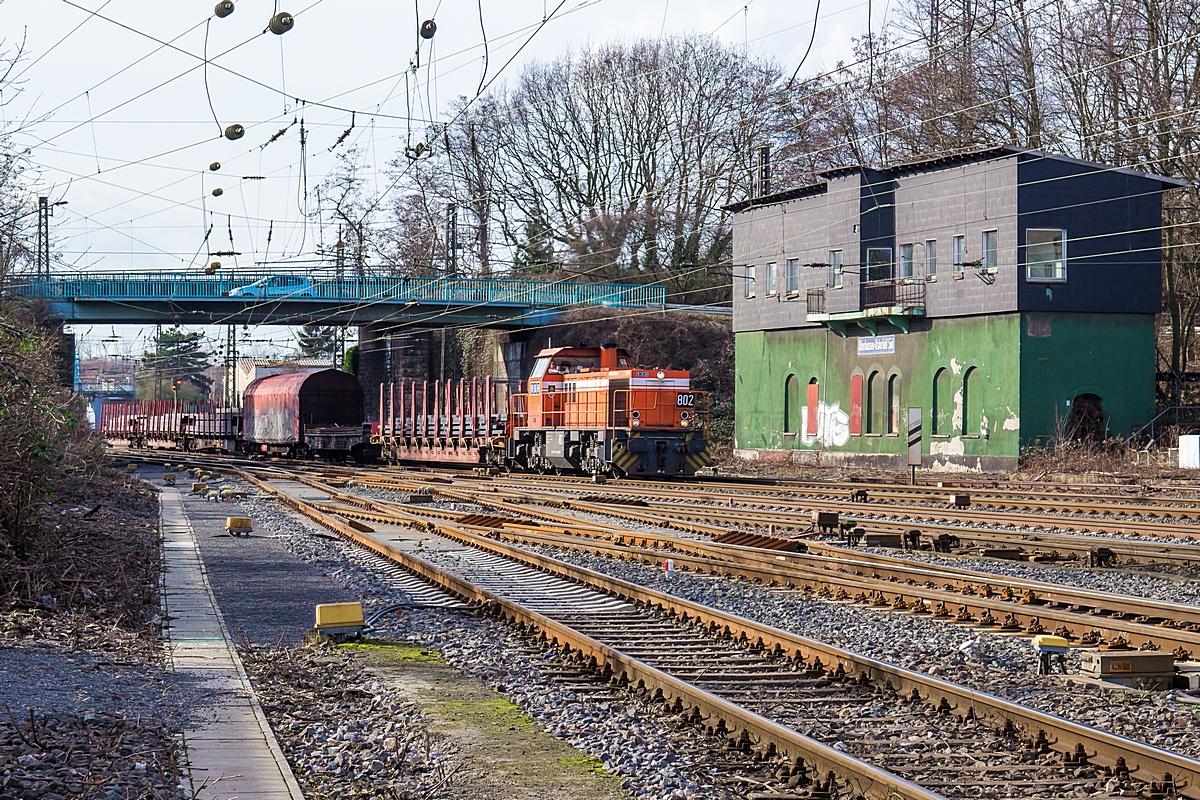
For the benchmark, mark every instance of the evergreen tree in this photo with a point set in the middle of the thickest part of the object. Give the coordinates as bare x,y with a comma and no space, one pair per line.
176,356
535,253
316,341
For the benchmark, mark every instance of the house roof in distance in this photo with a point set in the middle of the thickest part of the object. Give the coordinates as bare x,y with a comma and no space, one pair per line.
940,162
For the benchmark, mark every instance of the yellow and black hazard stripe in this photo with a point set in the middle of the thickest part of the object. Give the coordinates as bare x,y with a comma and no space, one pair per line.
622,458
698,460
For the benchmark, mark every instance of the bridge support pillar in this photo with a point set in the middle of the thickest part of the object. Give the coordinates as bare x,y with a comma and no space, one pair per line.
387,354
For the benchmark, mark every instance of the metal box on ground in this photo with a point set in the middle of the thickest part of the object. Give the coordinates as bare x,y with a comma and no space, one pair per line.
826,521
340,619
168,478
199,488
960,500
1135,668
238,526
883,540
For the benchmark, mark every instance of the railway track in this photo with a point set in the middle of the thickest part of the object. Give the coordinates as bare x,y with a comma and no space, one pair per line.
818,720
953,595
1012,535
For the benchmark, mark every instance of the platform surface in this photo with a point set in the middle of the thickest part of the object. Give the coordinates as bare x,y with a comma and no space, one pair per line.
233,754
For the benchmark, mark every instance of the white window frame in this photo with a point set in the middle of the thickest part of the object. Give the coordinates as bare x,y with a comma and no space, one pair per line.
993,253
772,279
960,252
791,283
749,279
931,256
904,263
1061,277
836,264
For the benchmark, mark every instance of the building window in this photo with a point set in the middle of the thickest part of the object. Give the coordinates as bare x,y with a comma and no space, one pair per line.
960,252
793,276
835,269
991,250
1046,254
931,256
906,261
879,263
791,405
972,402
943,403
874,404
893,421
772,269
750,281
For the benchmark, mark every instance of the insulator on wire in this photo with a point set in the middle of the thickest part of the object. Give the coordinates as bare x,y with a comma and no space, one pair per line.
235,132
215,265
281,23
217,192
224,9
428,29
214,166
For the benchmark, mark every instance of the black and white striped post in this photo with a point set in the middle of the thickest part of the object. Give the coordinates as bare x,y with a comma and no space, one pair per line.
914,442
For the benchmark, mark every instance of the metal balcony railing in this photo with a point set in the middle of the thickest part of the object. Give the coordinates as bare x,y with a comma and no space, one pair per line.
816,301
902,292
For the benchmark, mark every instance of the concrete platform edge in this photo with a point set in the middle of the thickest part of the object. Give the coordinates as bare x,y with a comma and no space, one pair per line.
285,770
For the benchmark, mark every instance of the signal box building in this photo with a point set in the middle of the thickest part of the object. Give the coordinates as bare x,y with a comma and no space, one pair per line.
1007,293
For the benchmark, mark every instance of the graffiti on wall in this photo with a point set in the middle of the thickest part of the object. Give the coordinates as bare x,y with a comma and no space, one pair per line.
833,426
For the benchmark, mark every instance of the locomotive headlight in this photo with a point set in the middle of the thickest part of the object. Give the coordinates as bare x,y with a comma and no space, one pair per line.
661,374
637,423
683,423
636,414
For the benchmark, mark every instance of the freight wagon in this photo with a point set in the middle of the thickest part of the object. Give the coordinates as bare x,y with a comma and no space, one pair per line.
304,414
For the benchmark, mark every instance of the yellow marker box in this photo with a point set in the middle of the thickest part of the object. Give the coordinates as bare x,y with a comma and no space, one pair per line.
199,488
238,524
339,615
1046,640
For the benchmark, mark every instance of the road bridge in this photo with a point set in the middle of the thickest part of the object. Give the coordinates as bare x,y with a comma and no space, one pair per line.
149,298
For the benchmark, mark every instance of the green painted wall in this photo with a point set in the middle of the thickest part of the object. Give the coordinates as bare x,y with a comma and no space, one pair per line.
1109,355
990,344
1030,366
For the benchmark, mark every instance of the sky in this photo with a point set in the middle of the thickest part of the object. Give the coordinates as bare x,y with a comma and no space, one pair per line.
123,117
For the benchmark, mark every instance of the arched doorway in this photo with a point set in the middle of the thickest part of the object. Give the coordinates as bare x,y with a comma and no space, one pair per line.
1087,420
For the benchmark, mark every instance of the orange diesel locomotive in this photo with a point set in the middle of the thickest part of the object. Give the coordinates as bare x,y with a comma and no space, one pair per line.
590,410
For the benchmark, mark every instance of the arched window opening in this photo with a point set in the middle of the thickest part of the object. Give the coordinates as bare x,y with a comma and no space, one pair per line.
875,408
943,403
813,396
893,392
791,405
972,401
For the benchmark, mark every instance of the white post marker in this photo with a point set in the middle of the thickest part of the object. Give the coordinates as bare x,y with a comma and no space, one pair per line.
669,566
914,441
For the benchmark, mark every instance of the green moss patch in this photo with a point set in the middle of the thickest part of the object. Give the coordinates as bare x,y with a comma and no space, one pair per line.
383,652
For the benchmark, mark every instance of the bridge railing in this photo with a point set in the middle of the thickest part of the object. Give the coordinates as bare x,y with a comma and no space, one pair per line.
462,291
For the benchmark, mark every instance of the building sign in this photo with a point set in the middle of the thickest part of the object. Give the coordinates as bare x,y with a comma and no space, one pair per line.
876,345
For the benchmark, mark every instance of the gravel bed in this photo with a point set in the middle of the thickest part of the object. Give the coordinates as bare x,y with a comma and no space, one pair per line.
1182,591
341,732
634,740
653,758
1002,665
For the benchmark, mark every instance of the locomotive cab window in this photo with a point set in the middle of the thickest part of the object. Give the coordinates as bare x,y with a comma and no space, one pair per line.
539,368
567,365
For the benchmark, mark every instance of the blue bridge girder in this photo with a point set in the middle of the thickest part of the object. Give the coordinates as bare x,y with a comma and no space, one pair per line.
192,299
